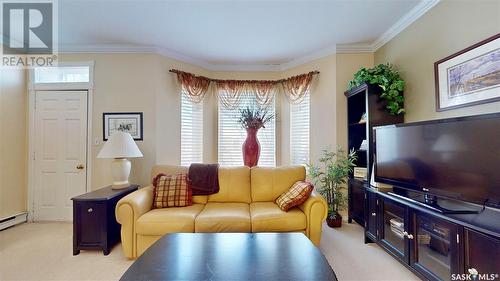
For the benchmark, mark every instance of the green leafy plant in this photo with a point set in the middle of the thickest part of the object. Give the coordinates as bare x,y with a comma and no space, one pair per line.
385,76
254,117
331,177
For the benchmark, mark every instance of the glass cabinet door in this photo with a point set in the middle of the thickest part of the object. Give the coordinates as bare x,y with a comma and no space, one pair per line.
433,242
393,236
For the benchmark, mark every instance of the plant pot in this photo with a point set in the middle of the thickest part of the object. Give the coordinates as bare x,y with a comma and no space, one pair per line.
251,148
334,220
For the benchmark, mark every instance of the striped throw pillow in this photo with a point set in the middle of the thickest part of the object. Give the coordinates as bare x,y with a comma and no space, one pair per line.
296,195
171,191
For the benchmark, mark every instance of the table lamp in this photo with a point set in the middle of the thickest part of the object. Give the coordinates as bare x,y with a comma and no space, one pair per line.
120,146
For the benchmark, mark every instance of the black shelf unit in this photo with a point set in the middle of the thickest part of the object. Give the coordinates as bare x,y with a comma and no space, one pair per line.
360,100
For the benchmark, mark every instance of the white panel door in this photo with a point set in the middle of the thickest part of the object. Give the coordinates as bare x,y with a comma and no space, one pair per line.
60,152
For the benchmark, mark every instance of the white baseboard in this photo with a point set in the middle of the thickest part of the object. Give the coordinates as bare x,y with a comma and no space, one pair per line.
13,220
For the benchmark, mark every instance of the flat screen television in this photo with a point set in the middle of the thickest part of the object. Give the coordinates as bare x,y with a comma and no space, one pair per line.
457,158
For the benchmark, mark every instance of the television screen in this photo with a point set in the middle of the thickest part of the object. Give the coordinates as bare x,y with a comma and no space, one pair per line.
455,158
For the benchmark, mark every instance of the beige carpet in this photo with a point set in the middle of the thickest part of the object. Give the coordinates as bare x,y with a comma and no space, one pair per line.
43,251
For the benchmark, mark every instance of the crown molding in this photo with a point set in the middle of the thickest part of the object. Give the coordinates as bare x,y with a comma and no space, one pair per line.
106,48
308,58
414,14
354,48
246,67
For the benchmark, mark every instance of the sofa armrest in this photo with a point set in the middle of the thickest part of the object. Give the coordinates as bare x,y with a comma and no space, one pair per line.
316,210
128,210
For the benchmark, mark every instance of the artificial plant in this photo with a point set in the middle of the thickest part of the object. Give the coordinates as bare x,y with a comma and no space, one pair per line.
254,117
331,177
385,76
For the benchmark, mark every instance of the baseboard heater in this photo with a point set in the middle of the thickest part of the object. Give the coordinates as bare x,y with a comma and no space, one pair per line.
13,220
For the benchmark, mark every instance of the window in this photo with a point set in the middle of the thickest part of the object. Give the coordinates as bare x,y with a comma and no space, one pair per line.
191,131
299,132
232,136
65,74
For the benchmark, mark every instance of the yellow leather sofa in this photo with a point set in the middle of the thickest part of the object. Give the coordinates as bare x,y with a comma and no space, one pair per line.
244,203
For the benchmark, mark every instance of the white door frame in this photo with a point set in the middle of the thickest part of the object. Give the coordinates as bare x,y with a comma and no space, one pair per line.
32,88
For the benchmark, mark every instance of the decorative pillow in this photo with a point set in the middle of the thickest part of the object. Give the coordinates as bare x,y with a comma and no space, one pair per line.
296,195
171,191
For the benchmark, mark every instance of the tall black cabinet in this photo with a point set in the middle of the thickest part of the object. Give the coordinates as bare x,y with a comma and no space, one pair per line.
365,110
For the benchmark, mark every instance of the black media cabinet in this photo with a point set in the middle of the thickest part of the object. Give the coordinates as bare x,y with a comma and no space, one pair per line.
433,245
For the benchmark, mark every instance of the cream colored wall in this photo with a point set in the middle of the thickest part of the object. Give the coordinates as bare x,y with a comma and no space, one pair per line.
141,82
444,30
13,142
137,82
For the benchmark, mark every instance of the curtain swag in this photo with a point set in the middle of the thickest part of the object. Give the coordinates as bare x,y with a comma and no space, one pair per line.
195,87
231,92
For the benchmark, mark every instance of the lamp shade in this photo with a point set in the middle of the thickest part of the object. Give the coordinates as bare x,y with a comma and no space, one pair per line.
120,145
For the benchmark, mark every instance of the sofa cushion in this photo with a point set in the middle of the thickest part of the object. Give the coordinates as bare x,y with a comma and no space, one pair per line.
172,191
167,220
267,216
296,195
174,170
224,217
269,183
234,185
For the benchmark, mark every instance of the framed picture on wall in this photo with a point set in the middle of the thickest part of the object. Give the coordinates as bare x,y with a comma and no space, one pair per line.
469,77
129,122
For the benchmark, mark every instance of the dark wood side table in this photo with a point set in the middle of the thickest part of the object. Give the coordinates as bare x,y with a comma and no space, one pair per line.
94,222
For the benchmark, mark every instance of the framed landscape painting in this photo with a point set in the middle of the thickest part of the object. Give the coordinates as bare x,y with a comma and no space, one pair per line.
129,122
469,77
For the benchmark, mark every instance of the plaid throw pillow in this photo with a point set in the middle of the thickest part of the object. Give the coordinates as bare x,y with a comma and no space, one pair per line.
171,191
296,195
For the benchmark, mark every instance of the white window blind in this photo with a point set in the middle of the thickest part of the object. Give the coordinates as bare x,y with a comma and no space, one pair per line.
299,132
232,136
191,131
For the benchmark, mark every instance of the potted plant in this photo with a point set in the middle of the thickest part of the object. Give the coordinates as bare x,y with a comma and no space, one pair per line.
331,178
388,79
252,118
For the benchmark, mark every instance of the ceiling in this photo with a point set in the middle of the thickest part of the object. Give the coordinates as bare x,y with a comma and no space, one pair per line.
217,34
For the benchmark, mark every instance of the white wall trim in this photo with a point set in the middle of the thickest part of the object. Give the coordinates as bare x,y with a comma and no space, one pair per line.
107,48
13,220
305,59
32,88
414,14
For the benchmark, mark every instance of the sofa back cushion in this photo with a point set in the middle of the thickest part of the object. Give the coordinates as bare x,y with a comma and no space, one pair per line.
174,170
269,183
234,185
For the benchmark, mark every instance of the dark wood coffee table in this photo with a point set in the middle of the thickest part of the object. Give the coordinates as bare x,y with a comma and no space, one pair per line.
231,256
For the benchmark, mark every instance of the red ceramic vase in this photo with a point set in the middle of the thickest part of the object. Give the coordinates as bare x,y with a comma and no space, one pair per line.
251,148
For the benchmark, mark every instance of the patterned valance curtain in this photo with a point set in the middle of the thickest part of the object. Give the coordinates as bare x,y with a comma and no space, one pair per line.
231,92
295,88
264,92
194,87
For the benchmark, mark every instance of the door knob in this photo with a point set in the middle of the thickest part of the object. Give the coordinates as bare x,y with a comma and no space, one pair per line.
80,166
